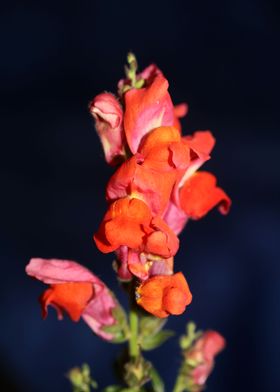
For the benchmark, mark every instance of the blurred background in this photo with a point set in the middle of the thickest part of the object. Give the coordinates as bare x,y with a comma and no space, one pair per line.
222,57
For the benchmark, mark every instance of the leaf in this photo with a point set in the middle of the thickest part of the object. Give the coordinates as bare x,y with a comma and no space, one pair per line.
154,341
119,330
151,325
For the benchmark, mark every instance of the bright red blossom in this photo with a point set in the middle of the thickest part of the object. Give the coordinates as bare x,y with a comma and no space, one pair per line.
163,295
129,222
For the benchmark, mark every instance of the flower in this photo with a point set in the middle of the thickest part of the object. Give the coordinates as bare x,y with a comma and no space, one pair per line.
76,291
163,295
152,172
108,115
195,193
201,357
129,222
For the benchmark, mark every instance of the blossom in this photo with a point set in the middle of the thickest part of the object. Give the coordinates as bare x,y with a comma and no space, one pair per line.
163,295
108,115
129,222
201,356
152,172
76,291
195,193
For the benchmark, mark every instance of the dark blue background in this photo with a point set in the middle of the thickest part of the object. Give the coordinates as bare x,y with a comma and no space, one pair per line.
219,56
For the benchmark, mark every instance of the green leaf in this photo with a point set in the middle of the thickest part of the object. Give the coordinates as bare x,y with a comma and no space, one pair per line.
150,325
119,330
157,383
154,341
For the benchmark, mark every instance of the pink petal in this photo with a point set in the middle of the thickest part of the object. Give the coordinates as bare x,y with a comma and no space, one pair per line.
52,271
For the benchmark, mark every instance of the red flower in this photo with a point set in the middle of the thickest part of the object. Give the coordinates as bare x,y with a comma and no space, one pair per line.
151,174
163,295
75,290
195,193
129,222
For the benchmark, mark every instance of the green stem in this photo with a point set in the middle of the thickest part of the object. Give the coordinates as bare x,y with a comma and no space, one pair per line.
133,340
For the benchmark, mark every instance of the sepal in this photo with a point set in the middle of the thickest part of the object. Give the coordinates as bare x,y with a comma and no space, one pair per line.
120,329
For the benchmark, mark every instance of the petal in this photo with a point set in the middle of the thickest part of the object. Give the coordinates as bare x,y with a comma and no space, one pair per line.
53,271
69,297
162,241
213,343
157,137
123,225
200,194
138,180
201,142
175,218
146,109
149,295
180,111
98,313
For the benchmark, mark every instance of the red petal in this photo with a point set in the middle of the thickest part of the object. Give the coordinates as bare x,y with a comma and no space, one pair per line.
200,194
69,297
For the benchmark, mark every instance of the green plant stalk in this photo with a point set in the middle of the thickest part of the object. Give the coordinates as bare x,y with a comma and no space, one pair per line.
134,349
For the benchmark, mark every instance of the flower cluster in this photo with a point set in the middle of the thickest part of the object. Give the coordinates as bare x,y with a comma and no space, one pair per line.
156,187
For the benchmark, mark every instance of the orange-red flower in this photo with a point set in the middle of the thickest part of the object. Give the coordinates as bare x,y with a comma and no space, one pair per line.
151,174
195,193
163,295
129,222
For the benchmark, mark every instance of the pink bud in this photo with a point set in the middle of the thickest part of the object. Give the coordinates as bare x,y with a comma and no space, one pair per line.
108,115
202,355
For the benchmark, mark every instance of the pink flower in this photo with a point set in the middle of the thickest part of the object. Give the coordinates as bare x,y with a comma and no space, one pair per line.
108,115
76,291
202,356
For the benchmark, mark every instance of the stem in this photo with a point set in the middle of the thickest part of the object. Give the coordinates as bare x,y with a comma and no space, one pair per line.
133,340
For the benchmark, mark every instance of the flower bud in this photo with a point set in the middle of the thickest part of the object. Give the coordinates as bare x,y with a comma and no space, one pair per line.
108,115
